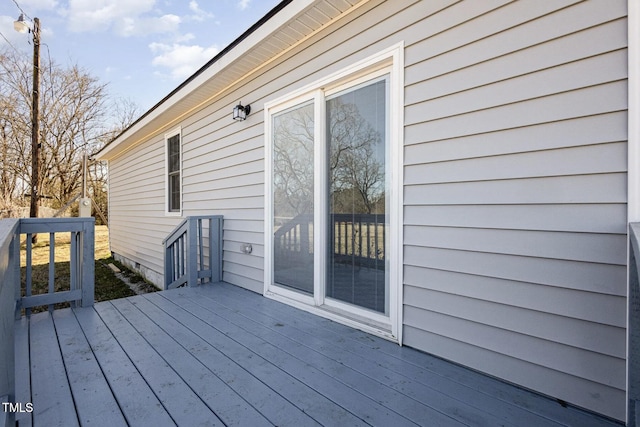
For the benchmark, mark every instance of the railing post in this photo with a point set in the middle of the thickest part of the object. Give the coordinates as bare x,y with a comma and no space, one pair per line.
192,253
88,262
9,229
15,254
168,263
215,248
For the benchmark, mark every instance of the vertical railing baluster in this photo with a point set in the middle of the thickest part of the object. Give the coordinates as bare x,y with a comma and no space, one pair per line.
181,256
52,266
212,247
15,273
28,270
200,249
176,248
178,257
172,262
73,264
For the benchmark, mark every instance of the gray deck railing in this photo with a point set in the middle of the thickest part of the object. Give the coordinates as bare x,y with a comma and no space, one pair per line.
9,296
193,252
633,330
81,286
82,263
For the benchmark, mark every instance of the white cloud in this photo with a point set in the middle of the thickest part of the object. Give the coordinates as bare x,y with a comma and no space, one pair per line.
127,27
100,15
33,5
243,4
199,14
184,38
181,60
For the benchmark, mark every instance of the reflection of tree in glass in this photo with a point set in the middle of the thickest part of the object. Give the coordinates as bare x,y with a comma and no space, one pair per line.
293,162
356,165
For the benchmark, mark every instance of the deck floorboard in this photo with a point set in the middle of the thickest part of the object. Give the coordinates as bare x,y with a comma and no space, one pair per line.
307,372
176,396
53,402
513,403
214,392
23,382
136,399
304,405
221,355
416,392
92,395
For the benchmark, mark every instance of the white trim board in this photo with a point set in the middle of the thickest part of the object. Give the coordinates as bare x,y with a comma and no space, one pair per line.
633,138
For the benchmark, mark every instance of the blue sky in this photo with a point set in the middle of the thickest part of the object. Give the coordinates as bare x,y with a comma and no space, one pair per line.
143,49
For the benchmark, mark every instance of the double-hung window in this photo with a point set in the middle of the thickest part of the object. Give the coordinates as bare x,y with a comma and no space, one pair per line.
173,173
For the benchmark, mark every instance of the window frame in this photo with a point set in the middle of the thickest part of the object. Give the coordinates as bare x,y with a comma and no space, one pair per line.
168,208
387,62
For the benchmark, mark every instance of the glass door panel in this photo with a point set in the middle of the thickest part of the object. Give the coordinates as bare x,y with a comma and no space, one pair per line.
358,215
293,172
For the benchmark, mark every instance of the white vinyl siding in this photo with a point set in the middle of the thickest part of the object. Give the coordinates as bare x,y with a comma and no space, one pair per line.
515,196
137,222
515,182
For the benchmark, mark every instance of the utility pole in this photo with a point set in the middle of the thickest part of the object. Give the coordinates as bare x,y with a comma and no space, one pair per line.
35,128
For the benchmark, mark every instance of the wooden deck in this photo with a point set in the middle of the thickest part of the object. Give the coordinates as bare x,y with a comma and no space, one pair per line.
220,355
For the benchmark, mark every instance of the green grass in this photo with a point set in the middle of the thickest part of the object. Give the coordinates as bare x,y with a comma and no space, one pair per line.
107,285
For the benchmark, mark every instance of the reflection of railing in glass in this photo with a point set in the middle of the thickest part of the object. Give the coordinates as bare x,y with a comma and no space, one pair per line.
294,238
358,239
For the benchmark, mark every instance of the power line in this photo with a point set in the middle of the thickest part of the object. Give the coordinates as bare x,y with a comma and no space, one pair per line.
21,10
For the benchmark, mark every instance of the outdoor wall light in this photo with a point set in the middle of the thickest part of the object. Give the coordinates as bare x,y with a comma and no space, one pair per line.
241,112
21,25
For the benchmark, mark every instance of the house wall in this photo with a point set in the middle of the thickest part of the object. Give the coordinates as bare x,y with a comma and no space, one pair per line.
515,183
515,195
137,223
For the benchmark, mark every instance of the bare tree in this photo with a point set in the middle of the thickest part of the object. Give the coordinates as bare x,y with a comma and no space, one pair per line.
76,116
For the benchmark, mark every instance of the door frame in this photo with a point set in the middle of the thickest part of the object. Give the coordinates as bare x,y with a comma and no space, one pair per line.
388,61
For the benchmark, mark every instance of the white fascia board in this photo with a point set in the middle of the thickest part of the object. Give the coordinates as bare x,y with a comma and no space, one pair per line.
284,16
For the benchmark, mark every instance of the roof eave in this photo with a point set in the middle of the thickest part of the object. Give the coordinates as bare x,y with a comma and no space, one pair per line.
280,15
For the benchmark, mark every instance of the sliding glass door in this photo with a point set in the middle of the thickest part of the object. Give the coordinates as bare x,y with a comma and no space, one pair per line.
330,198
357,196
293,178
